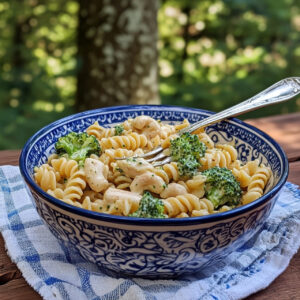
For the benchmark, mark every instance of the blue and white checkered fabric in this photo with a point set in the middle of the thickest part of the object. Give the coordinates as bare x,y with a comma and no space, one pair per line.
56,273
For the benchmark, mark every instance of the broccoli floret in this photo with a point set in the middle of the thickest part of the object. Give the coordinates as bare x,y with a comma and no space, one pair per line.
77,146
186,150
221,187
149,207
119,129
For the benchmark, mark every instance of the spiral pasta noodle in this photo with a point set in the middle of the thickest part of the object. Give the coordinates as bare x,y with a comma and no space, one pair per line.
243,173
56,193
182,125
46,177
132,141
109,156
65,167
204,137
257,184
195,185
206,209
100,132
181,204
75,186
122,207
223,157
171,170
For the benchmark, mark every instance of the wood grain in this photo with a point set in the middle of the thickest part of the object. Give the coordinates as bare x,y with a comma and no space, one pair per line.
284,129
294,174
18,289
9,157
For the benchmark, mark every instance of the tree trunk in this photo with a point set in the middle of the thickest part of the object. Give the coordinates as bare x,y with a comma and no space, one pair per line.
18,59
117,53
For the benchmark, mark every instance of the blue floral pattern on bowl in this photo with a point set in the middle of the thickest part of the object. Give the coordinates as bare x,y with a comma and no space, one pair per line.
153,248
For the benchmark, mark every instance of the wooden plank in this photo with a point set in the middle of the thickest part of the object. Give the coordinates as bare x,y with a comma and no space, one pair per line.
12,283
18,289
285,130
294,175
8,270
9,157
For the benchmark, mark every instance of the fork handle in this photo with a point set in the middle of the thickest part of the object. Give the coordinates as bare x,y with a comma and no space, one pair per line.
281,91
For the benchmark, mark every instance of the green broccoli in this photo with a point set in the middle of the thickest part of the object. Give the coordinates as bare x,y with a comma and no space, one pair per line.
119,129
77,146
150,207
186,150
221,187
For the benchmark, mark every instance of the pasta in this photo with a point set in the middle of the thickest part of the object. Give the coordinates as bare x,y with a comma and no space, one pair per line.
46,177
257,183
195,185
221,156
187,203
66,168
100,132
75,186
132,141
107,183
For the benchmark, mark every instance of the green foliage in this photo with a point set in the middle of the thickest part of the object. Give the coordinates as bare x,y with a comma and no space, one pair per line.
77,146
212,54
221,187
38,66
186,150
216,53
149,207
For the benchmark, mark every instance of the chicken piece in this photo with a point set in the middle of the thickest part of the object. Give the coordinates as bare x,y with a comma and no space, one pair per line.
149,126
96,174
134,166
147,182
112,195
173,190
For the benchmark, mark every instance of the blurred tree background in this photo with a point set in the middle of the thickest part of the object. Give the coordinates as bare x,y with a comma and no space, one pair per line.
211,54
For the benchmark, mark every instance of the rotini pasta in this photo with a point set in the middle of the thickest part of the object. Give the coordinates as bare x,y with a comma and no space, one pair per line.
66,168
185,204
107,183
195,185
57,193
100,132
257,184
204,137
222,156
132,141
46,177
75,186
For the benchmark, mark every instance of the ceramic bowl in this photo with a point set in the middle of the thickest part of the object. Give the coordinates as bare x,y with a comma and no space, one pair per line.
155,248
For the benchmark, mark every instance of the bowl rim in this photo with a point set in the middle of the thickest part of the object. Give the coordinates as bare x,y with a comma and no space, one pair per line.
151,221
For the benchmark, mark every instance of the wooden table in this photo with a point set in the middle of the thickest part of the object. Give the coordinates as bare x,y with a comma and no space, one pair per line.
285,129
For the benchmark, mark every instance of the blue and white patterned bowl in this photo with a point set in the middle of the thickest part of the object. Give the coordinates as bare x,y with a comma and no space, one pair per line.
155,248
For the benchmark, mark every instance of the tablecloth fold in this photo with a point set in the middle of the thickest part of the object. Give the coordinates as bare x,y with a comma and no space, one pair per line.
56,273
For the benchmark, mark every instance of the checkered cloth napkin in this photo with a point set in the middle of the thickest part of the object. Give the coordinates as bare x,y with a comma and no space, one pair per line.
56,273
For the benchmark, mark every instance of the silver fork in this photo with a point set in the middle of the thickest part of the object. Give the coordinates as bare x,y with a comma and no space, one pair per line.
281,91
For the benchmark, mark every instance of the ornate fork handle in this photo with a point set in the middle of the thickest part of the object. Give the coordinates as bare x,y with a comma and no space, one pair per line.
279,92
